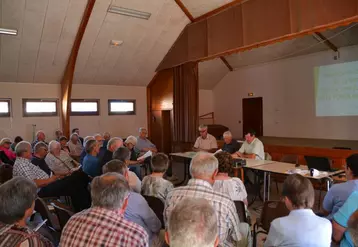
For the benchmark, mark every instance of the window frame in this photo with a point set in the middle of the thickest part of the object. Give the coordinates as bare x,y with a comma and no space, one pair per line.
39,114
97,113
134,112
9,114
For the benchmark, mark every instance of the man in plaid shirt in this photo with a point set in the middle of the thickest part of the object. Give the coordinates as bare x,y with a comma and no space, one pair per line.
103,224
203,168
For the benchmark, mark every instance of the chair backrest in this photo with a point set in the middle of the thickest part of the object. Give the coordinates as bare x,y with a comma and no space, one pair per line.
241,211
42,209
272,210
5,173
289,158
63,215
157,206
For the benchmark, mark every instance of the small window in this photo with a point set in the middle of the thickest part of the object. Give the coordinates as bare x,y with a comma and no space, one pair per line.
85,107
121,107
39,107
5,107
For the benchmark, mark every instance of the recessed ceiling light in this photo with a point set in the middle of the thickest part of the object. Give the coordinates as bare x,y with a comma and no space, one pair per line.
129,12
116,42
8,31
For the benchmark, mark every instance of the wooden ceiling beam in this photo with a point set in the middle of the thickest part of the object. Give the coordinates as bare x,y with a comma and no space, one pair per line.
67,79
321,38
226,63
217,10
185,10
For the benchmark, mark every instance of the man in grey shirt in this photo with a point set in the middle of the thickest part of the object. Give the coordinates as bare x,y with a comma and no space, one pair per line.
143,144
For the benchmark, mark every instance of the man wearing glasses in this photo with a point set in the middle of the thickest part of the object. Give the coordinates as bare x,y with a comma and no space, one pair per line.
205,142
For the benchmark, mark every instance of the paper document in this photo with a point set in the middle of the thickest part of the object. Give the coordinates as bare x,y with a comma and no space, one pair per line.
146,155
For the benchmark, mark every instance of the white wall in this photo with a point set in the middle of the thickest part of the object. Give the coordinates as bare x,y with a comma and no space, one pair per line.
116,125
206,103
287,88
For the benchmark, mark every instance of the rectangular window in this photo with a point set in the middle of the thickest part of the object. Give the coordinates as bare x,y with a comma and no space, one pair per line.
121,107
85,107
5,107
39,107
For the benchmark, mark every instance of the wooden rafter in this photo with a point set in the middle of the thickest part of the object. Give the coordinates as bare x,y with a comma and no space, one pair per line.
321,37
217,10
66,83
185,10
226,63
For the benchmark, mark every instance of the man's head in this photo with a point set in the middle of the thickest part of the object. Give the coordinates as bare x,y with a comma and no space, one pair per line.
130,142
298,192
58,134
227,137
352,167
41,149
110,191
63,141
18,139
40,136
204,166
159,162
17,200
99,139
143,133
5,142
122,153
116,166
353,227
87,138
106,136
74,138
23,150
114,143
92,147
203,130
250,136
76,130
54,148
192,223
225,162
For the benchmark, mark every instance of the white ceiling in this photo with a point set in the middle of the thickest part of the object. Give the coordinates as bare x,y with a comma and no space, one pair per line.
201,7
211,72
47,29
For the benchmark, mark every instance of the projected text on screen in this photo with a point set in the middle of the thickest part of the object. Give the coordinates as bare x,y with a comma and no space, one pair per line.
336,89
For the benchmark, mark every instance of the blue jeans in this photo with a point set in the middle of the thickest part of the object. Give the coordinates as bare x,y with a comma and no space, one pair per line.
136,169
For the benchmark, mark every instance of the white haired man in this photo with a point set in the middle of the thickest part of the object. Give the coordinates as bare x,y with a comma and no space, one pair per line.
40,137
143,144
203,169
113,144
59,160
230,145
103,224
205,142
192,223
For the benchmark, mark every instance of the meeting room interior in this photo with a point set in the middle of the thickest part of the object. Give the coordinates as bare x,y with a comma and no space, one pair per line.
179,123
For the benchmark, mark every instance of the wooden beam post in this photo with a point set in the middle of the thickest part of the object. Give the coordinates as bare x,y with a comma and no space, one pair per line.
321,38
66,83
185,10
226,63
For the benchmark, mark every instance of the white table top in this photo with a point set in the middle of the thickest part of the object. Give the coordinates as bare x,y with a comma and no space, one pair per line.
184,155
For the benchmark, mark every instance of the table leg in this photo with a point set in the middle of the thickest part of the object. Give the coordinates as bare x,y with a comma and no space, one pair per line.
269,186
186,173
265,174
242,175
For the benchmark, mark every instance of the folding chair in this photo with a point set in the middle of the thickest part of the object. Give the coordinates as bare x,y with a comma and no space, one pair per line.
241,211
157,206
63,214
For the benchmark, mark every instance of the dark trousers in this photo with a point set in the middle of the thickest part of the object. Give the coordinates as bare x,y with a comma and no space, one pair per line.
75,186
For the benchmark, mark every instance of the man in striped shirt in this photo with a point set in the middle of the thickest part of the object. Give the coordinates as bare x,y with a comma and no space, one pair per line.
203,168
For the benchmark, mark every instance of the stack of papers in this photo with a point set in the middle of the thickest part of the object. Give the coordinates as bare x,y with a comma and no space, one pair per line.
146,155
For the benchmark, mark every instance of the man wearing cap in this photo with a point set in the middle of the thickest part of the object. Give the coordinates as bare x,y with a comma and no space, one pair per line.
5,144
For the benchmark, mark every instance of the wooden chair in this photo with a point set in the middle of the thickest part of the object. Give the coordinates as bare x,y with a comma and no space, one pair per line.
271,210
63,214
157,206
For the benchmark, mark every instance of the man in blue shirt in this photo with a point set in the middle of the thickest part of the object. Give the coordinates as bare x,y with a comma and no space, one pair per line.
143,144
340,221
339,193
138,210
91,162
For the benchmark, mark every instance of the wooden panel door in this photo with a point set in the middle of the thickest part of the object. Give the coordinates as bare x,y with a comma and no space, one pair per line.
252,115
156,126
167,132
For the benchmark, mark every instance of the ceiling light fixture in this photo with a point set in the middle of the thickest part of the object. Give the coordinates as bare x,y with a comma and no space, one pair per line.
129,12
116,42
8,31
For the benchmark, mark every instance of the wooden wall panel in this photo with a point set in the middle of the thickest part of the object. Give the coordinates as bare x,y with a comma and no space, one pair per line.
197,40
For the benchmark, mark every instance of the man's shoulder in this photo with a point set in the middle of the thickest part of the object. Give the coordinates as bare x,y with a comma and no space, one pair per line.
211,137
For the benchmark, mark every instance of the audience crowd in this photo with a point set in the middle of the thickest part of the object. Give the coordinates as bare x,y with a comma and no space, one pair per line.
112,200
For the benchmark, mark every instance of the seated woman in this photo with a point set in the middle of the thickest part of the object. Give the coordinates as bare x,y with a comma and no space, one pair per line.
5,147
225,183
133,164
75,147
16,141
63,141
154,184
17,197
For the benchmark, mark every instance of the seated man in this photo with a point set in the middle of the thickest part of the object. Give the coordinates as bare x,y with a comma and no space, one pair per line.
353,227
123,154
205,142
83,153
192,223
203,169
40,137
133,163
301,227
77,131
340,221
252,148
339,193
138,210
143,144
75,146
112,145
103,224
50,186
231,145
17,197
91,162
58,160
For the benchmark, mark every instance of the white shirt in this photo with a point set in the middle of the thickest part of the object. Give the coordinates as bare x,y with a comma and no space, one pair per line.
301,228
208,143
232,187
255,147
